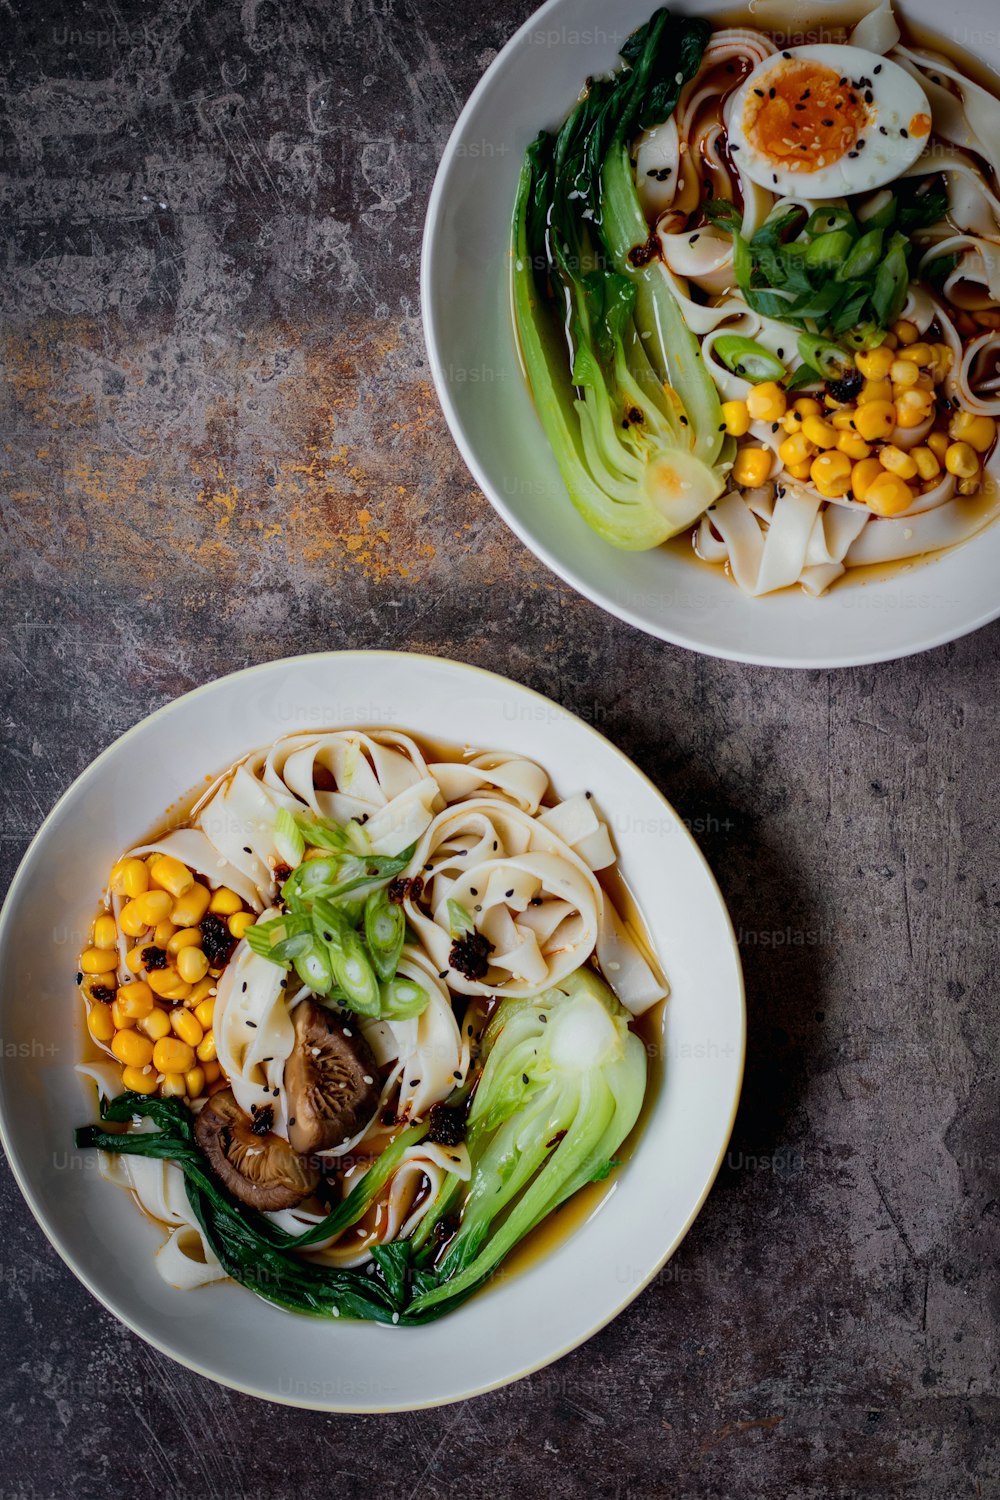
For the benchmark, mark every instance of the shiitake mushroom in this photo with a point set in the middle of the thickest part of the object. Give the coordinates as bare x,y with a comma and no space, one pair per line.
331,1079
257,1166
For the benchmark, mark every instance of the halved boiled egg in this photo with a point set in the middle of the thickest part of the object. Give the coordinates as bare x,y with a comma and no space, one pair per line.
825,121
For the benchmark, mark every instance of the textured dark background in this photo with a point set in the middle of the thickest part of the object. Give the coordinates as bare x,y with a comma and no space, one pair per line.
220,445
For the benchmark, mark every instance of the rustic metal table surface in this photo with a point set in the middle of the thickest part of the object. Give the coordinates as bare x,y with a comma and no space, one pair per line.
220,445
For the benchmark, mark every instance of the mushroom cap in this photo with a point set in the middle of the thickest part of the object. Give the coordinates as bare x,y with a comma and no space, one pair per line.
259,1168
331,1079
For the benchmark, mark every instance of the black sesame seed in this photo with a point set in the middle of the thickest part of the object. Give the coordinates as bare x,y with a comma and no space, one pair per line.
79,978
877,69
524,1077
869,96
852,153
772,93
247,849
252,1025
443,974
244,990
509,893
759,93
904,133
828,123
787,56
692,239
683,421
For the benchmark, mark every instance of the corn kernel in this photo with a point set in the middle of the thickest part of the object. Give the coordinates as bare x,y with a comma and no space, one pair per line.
875,390
212,1071
203,990
191,907
906,332
737,420
823,434
130,1048
98,960
173,1086
766,402
831,473
121,1020
192,965
968,486
921,354
171,1055
863,474
135,1000
904,373
148,909
134,960
205,1013
799,471
168,984
938,443
206,1048
897,461
913,407
853,445
225,902
943,360
751,468
186,1025
926,462
171,875
978,432
100,1022
162,933
186,937
875,363
796,449
807,406
101,982
241,920
888,495
129,877
843,420
156,1025
105,933
875,420
890,341
194,1082
138,1082
960,460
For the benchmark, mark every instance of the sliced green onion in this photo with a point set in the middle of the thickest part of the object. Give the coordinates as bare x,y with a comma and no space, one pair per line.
830,218
825,358
314,969
459,920
288,839
385,932
891,283
349,963
828,251
863,259
746,357
402,999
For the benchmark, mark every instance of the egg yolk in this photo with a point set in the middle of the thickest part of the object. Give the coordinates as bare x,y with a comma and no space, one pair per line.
804,116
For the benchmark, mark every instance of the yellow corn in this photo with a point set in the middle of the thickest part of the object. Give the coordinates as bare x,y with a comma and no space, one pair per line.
168,984
162,933
212,1071
135,1000
843,420
897,461
978,432
203,990
875,390
105,933
171,875
145,911
888,495
875,364
875,420
205,1012
863,474
206,1048
913,406
921,354
831,474
904,372
225,902
938,443
185,937
173,1086
102,982
821,433
943,360
119,1017
926,462
134,960
171,1055
138,1082
192,965
906,332
239,923
807,406
191,907
130,1048
98,960
194,1082
853,444
186,1025
100,1022
960,460
766,402
799,471
796,449
737,420
156,1024
129,877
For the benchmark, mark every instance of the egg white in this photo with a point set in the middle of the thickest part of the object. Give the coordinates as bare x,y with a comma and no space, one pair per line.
889,146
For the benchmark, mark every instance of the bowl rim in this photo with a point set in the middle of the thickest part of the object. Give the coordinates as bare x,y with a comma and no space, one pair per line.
23,1180
430,317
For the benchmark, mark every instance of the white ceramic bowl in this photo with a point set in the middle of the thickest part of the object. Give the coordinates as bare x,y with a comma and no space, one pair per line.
520,1323
467,324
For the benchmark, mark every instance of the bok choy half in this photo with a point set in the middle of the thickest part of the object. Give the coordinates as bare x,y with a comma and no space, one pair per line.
631,413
